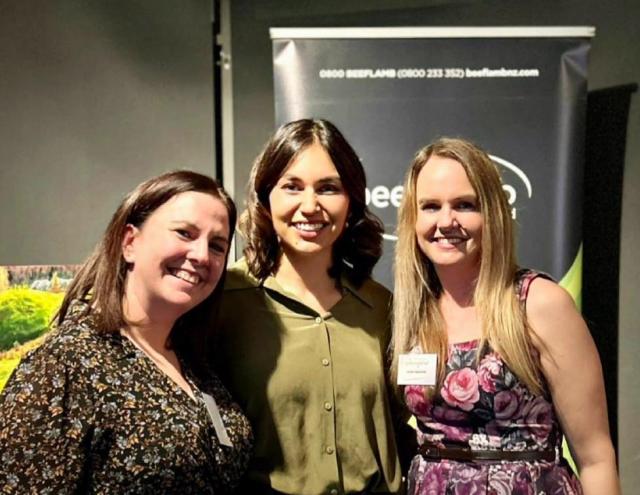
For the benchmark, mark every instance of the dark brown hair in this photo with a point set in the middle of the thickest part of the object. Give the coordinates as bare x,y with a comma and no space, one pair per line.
359,247
101,279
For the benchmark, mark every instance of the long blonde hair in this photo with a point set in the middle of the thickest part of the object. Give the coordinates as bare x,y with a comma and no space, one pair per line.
417,319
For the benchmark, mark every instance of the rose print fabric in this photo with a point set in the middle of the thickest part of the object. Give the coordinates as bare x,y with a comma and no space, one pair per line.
483,406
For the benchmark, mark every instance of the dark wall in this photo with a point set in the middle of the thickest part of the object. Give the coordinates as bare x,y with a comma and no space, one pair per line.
614,60
95,96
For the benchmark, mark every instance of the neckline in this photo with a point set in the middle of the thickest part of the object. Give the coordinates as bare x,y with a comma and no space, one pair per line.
273,284
175,386
464,342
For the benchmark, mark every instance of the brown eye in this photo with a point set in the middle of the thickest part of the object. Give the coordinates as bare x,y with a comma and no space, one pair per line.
218,247
290,186
329,189
466,206
429,206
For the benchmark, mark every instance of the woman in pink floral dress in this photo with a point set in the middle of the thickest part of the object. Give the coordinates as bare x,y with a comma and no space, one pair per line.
515,365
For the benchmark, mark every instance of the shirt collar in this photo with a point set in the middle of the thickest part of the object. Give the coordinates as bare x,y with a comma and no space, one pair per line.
239,277
359,292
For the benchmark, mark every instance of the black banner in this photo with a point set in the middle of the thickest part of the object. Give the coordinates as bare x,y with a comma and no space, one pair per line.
520,93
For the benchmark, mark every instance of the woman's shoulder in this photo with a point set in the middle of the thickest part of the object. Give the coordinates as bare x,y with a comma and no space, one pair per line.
373,292
524,277
549,305
375,288
239,277
545,295
539,290
75,336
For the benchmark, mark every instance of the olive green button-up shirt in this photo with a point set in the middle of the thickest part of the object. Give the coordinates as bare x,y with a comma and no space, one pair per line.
313,386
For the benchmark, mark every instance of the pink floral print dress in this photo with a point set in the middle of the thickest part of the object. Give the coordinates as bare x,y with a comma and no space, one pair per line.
483,406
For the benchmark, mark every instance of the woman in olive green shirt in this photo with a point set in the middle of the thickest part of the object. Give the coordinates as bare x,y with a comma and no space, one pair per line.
304,329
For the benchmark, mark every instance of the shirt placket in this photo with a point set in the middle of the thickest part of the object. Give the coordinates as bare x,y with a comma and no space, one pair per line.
330,449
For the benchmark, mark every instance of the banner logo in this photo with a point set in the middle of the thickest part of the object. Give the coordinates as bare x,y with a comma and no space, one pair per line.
514,182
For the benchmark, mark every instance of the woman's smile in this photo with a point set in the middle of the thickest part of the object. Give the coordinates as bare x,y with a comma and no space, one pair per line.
449,222
186,275
308,204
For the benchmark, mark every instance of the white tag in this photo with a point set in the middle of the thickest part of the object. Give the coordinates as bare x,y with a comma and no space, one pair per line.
216,419
417,369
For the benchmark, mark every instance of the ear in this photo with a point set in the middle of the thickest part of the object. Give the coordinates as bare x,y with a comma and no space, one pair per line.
348,220
128,240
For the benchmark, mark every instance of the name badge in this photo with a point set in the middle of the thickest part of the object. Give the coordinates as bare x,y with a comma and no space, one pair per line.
216,419
417,369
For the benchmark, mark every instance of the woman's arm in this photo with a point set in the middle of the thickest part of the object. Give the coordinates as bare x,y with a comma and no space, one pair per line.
406,439
571,366
42,434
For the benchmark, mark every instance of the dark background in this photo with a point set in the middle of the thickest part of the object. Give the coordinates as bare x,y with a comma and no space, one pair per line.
96,95
536,123
614,61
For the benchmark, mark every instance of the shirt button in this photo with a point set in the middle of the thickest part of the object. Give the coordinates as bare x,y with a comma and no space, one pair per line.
325,362
318,320
329,450
328,406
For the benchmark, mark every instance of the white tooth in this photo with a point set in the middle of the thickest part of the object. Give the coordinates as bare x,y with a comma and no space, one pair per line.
449,240
185,275
309,227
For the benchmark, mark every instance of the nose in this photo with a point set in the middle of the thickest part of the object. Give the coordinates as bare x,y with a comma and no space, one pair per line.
309,202
199,251
446,219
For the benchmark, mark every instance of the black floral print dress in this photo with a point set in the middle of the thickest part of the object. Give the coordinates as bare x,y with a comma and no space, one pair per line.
90,413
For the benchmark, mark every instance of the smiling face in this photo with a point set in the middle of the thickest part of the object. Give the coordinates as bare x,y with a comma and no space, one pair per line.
309,205
448,221
177,256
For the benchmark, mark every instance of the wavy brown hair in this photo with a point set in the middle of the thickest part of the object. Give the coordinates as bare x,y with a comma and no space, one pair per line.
359,247
416,313
101,279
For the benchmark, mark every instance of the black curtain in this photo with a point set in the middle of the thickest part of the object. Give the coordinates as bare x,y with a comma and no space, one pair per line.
607,114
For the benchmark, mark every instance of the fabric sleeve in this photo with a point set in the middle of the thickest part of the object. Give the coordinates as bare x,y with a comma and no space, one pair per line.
43,433
524,277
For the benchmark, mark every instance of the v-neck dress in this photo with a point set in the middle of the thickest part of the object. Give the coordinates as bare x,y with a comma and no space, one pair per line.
91,413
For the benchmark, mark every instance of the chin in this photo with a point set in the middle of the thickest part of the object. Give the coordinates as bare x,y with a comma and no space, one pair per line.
183,302
307,248
462,263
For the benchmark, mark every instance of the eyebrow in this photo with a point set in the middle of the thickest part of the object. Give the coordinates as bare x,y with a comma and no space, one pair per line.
464,197
335,178
332,178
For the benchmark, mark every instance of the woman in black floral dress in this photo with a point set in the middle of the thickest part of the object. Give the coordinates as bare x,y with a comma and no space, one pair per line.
119,398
